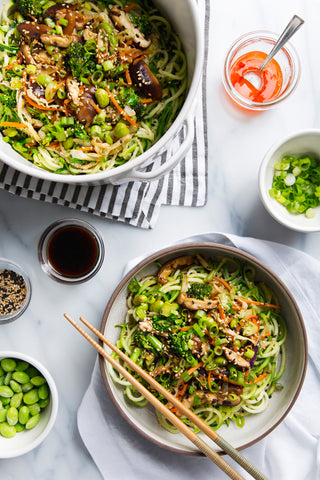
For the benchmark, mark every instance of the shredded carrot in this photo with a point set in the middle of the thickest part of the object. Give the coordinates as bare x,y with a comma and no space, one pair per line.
31,144
246,300
128,78
95,106
221,312
254,319
193,369
182,390
182,329
125,52
55,146
221,280
86,149
120,109
11,65
142,54
261,377
129,7
14,124
264,335
146,100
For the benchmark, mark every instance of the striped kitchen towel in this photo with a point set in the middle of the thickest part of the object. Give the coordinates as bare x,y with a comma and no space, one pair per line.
135,203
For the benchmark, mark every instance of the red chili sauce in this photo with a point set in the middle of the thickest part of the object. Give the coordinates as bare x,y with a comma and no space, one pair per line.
270,78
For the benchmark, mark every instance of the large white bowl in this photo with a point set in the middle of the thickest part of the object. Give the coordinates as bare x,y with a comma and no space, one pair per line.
299,143
257,426
25,441
184,17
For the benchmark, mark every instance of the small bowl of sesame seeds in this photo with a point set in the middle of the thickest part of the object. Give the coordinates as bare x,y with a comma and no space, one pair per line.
15,291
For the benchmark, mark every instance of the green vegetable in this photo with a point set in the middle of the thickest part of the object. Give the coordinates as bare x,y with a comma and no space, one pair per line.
8,364
6,430
102,97
199,290
121,130
296,184
32,422
29,8
80,61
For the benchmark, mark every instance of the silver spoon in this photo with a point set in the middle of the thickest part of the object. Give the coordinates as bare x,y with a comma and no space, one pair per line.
294,24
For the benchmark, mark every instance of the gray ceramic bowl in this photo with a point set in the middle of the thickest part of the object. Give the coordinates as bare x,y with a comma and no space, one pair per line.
257,426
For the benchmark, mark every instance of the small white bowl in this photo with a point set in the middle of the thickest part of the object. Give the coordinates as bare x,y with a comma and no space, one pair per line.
297,144
25,441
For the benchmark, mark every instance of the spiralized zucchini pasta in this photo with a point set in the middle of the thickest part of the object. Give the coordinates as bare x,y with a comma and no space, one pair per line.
86,86
209,333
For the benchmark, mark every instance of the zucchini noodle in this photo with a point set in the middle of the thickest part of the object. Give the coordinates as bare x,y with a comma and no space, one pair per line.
209,333
86,86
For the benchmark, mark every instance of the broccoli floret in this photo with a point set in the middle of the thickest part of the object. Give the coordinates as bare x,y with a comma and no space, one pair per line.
7,105
143,23
29,8
165,324
199,290
179,343
79,61
127,96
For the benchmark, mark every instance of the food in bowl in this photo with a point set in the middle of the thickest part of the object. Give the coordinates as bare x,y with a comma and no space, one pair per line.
24,394
296,184
87,87
208,332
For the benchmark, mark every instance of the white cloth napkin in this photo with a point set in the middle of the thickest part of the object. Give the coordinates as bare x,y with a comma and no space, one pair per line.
291,451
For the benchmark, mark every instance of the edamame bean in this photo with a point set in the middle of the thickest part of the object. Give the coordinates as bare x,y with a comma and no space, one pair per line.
32,422
106,27
8,364
34,409
15,386
24,415
6,430
43,392
26,387
38,381
22,366
31,397
3,415
16,400
43,79
44,402
12,416
5,400
7,378
32,371
6,391
120,130
19,427
102,97
2,379
21,377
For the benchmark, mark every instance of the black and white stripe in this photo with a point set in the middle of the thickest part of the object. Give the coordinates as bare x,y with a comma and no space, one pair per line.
135,203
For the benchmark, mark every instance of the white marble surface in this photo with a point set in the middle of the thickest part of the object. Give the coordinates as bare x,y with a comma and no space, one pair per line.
237,143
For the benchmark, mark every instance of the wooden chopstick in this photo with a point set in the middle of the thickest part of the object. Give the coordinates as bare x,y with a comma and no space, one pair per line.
223,444
204,447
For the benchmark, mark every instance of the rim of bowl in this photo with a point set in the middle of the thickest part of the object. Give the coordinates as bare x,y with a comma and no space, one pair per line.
291,54
54,402
45,263
264,195
187,106
15,267
176,249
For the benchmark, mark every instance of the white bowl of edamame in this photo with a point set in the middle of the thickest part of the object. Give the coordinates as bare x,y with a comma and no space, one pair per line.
28,403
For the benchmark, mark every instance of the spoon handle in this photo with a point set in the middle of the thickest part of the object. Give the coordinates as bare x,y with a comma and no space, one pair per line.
294,24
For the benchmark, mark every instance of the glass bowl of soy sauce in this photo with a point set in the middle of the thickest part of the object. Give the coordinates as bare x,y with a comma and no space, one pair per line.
71,251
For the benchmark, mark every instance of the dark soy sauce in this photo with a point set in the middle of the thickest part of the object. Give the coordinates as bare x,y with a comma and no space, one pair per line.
73,251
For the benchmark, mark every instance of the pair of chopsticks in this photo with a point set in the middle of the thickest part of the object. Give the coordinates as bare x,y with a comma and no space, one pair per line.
204,447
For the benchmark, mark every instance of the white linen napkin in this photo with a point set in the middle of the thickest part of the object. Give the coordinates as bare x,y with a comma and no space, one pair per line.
291,451
135,203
